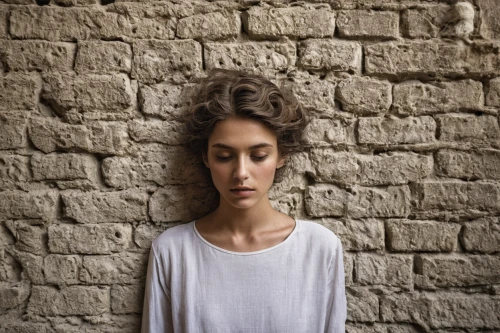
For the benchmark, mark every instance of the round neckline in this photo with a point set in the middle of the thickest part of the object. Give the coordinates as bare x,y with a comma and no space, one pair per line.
294,231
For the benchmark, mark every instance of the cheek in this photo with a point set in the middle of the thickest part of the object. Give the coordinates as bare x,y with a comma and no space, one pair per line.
218,172
267,171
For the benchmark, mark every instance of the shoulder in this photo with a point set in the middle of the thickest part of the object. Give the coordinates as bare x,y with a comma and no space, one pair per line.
319,234
173,237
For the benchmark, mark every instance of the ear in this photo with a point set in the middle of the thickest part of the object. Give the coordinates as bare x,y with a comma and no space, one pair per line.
205,159
281,162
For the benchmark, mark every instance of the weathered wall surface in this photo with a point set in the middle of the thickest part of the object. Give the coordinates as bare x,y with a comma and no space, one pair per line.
403,158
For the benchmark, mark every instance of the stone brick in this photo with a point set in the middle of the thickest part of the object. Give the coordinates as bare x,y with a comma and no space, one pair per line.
29,235
380,328
445,310
462,198
32,266
89,93
313,94
18,2
12,130
493,96
123,268
325,200
329,200
4,24
425,22
265,57
379,201
19,91
10,268
74,300
156,60
152,20
145,233
429,59
210,26
290,204
459,270
364,95
299,22
37,55
332,166
105,207
83,23
393,168
178,9
371,4
71,3
368,24
357,235
325,132
481,130
40,204
385,131
62,269
103,57
168,132
408,236
482,235
181,203
127,299
165,100
416,98
348,267
69,170
13,294
479,164
6,238
25,327
489,13
14,172
109,323
50,135
90,238
334,55
388,270
362,305
155,165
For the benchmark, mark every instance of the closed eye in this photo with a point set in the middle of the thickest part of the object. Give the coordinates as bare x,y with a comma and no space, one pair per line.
259,158
223,158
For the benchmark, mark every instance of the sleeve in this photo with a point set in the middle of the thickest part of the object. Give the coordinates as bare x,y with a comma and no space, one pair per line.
157,311
337,304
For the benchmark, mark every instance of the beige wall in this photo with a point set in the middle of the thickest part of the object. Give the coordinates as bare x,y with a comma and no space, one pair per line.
401,161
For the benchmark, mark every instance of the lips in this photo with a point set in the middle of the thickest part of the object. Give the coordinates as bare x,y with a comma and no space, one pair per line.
242,191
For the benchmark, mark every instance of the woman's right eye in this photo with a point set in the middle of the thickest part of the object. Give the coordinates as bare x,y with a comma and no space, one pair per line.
223,158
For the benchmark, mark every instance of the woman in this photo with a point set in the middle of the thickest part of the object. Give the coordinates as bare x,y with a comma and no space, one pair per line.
245,267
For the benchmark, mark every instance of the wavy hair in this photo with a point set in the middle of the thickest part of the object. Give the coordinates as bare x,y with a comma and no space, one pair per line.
227,93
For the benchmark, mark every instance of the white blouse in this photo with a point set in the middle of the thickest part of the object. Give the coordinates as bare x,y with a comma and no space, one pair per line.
295,286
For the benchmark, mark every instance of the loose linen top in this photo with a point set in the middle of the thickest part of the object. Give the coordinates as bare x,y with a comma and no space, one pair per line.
295,286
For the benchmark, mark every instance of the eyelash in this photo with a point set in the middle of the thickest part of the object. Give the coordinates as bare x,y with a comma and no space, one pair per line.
227,158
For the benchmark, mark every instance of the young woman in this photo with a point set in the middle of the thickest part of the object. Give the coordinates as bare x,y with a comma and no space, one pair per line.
245,267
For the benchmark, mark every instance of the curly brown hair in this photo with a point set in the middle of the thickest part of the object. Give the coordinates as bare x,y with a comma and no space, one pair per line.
227,93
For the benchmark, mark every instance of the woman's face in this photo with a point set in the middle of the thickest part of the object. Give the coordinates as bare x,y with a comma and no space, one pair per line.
242,157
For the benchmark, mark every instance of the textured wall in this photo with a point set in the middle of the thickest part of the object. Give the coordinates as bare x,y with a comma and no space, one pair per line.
402,159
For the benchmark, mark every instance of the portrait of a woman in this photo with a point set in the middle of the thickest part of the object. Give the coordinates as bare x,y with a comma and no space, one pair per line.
245,267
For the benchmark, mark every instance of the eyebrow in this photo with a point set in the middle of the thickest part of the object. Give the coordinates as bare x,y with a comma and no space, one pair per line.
257,146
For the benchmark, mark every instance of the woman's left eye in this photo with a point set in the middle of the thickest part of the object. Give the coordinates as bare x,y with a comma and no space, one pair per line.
259,158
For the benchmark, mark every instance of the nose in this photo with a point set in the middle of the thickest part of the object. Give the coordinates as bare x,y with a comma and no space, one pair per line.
241,170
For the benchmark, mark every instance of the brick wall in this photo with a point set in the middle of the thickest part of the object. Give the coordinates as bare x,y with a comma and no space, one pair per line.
402,158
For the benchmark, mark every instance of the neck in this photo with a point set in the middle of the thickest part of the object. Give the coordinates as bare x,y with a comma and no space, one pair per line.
245,221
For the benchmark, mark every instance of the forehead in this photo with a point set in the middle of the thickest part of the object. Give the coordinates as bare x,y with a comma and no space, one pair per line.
245,132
